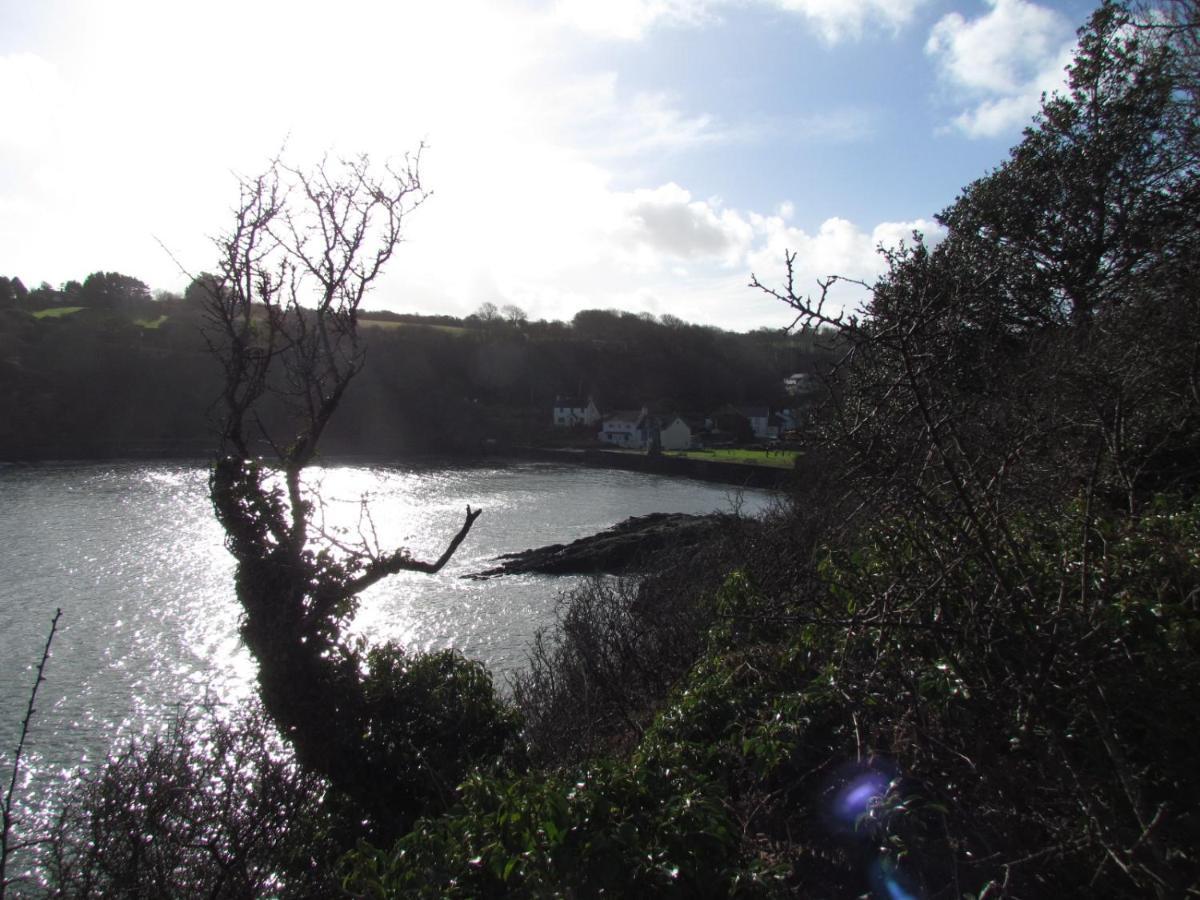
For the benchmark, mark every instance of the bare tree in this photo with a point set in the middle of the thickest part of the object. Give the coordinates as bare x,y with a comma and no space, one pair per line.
304,249
513,314
487,312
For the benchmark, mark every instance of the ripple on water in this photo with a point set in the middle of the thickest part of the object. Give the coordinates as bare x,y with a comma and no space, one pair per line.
133,555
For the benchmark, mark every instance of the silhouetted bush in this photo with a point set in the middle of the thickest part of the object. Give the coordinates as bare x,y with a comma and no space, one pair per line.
429,718
618,646
968,663
211,808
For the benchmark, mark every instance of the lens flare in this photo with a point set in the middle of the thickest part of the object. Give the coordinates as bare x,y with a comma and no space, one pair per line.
853,802
853,791
889,883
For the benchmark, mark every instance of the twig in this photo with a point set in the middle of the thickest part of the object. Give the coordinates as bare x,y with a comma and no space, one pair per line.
5,848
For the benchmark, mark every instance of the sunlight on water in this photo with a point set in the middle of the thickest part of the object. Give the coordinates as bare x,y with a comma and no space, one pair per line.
134,556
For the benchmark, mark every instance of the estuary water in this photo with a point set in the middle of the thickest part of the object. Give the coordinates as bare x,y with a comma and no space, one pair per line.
132,554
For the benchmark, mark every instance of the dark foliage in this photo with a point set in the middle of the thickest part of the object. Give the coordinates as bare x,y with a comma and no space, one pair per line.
976,672
212,808
428,719
392,733
136,379
1012,408
619,645
597,677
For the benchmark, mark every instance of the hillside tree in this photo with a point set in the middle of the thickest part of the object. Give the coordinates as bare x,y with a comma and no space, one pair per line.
389,730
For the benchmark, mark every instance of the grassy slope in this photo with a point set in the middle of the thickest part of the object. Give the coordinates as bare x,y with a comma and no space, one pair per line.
783,459
387,324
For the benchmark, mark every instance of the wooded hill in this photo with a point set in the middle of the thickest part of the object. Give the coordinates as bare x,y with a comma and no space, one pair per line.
101,369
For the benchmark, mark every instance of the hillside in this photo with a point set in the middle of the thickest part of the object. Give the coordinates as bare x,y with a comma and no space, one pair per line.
133,377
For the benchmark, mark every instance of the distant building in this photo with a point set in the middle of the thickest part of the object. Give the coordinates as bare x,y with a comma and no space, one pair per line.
625,428
801,383
680,434
572,411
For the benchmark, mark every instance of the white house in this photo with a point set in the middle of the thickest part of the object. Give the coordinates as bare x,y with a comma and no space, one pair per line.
679,435
572,411
801,383
625,428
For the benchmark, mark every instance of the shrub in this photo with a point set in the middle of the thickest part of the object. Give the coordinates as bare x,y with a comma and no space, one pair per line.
611,829
212,808
593,682
429,718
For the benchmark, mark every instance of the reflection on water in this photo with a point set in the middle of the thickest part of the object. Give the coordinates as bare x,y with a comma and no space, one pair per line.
133,555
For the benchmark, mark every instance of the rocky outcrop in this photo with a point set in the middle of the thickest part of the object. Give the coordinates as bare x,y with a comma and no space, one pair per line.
629,546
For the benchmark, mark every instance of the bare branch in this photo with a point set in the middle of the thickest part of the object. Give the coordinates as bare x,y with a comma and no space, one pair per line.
402,561
6,813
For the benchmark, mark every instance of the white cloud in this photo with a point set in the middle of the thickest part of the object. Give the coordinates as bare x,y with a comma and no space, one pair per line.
531,163
33,98
630,19
1001,62
719,292
578,243
834,20
593,112
889,235
667,223
1000,51
839,247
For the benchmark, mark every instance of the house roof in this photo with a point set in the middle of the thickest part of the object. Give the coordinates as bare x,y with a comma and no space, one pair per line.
695,423
629,416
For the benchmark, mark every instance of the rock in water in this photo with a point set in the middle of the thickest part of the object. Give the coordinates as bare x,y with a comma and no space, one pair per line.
626,547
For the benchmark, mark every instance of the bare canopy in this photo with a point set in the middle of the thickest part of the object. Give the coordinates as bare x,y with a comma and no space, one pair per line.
304,248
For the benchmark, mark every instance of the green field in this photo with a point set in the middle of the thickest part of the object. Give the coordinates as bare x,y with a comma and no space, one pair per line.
149,323
55,312
390,324
783,459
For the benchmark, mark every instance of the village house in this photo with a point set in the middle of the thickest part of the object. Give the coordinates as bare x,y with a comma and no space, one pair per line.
572,411
626,428
801,383
680,434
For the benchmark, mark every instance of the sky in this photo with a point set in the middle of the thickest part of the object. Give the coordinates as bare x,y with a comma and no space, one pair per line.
641,155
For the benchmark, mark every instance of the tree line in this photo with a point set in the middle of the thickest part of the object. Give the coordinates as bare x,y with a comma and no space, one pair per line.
105,368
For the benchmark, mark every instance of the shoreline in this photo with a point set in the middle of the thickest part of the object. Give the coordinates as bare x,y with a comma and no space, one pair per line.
746,475
741,474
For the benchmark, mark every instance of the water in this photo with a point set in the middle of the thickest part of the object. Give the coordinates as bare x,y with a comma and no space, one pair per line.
133,555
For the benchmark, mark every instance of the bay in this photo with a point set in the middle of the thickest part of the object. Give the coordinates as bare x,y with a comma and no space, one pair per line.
133,556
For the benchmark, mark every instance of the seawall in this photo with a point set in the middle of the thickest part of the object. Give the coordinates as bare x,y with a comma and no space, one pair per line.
741,474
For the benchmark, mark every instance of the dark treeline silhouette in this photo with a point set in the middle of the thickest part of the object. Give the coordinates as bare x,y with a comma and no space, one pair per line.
125,374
